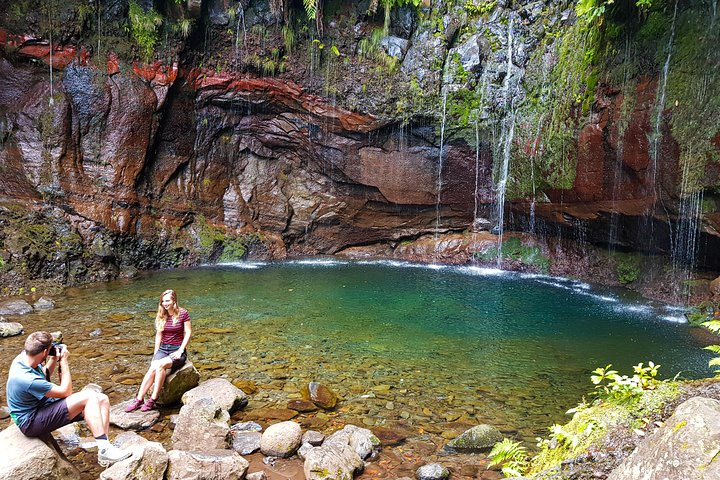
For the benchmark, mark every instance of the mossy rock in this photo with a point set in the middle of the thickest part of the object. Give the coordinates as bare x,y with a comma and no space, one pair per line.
478,439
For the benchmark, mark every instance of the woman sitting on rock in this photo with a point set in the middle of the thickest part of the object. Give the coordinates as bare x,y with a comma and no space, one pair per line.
172,326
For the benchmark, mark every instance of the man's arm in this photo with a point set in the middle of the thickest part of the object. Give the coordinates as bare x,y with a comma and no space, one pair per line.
65,389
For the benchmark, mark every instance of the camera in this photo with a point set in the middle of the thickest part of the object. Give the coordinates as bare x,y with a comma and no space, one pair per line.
56,349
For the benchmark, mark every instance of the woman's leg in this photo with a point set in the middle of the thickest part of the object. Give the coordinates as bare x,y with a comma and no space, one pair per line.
160,374
147,381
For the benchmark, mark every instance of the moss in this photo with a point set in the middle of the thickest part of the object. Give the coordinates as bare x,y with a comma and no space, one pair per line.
627,267
513,249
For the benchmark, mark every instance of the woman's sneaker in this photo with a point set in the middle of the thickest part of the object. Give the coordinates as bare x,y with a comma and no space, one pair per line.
148,405
134,405
108,456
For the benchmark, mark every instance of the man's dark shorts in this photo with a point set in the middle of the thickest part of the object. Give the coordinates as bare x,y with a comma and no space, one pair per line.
48,418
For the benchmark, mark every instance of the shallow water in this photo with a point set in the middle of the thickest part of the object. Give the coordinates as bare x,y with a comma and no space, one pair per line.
422,345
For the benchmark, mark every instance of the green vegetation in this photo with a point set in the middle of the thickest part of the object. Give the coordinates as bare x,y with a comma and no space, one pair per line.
514,250
714,326
214,243
512,455
627,266
144,28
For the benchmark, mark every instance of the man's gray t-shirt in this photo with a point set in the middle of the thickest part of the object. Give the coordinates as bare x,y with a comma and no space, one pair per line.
26,388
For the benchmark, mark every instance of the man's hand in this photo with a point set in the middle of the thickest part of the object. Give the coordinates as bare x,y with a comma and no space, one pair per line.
64,354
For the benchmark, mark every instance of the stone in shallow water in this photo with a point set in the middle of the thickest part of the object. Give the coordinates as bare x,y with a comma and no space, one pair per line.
44,303
301,406
320,395
477,439
432,471
15,307
10,329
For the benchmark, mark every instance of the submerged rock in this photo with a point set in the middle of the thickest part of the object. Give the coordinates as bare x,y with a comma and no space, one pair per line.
320,395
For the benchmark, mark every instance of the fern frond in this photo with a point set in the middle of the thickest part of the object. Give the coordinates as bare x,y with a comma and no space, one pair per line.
713,348
310,8
507,450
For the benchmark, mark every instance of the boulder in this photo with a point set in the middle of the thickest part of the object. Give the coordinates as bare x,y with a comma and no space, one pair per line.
320,395
136,420
26,458
313,438
256,476
245,443
685,447
362,440
148,461
477,439
178,383
332,462
15,307
432,471
221,391
4,412
715,288
281,439
44,303
201,426
207,465
10,329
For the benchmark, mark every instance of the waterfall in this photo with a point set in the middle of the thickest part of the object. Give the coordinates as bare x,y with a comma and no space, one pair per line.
506,138
477,168
241,18
440,165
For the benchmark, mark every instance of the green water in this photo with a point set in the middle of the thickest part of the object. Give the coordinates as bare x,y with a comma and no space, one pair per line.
398,342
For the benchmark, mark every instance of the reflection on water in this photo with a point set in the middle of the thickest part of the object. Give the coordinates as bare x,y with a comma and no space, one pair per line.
397,342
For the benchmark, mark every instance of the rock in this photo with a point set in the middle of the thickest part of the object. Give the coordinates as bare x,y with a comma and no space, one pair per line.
715,288
32,458
179,383
281,439
15,307
313,438
10,329
302,406
206,465
246,427
303,450
4,412
148,461
44,303
320,395
477,439
282,414
332,462
136,420
394,46
69,434
201,426
96,333
362,440
224,394
256,476
245,443
685,447
432,471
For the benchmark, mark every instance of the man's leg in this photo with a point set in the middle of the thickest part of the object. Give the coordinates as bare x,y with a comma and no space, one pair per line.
88,402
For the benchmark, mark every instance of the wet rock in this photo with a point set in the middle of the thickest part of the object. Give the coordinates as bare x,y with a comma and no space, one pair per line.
301,406
389,436
394,46
15,307
256,476
209,465
320,395
136,420
221,391
10,329
245,443
477,439
246,427
685,447
281,439
148,461
178,384
432,471
201,426
247,386
313,438
332,462
29,458
44,303
362,440
282,414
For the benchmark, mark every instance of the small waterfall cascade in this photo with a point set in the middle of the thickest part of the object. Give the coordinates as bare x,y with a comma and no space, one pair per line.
477,170
440,164
240,21
505,144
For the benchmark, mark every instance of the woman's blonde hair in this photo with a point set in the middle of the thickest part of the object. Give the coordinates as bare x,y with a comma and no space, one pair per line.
162,314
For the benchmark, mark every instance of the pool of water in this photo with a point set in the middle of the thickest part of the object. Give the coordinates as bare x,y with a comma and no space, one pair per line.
426,346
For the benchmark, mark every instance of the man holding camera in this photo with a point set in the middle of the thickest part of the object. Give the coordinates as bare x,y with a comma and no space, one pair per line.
38,406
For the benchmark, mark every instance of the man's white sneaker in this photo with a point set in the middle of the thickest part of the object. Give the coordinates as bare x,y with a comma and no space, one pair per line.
108,456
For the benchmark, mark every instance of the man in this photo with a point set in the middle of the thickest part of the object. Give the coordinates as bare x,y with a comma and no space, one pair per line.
38,406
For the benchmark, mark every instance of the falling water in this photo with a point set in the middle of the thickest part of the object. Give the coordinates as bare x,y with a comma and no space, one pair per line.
440,165
506,138
51,102
240,20
477,167
535,148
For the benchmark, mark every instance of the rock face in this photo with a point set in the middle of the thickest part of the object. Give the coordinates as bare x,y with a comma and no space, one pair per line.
178,383
149,460
685,447
32,458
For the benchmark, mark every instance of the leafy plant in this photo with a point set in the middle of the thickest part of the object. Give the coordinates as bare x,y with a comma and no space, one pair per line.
512,455
144,26
714,326
613,386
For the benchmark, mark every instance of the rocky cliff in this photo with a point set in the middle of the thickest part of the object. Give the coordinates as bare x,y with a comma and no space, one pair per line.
146,134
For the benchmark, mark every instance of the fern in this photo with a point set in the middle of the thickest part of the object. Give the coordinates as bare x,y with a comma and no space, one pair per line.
713,326
310,9
512,454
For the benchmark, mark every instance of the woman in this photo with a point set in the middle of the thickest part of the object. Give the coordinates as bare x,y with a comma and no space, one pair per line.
173,330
